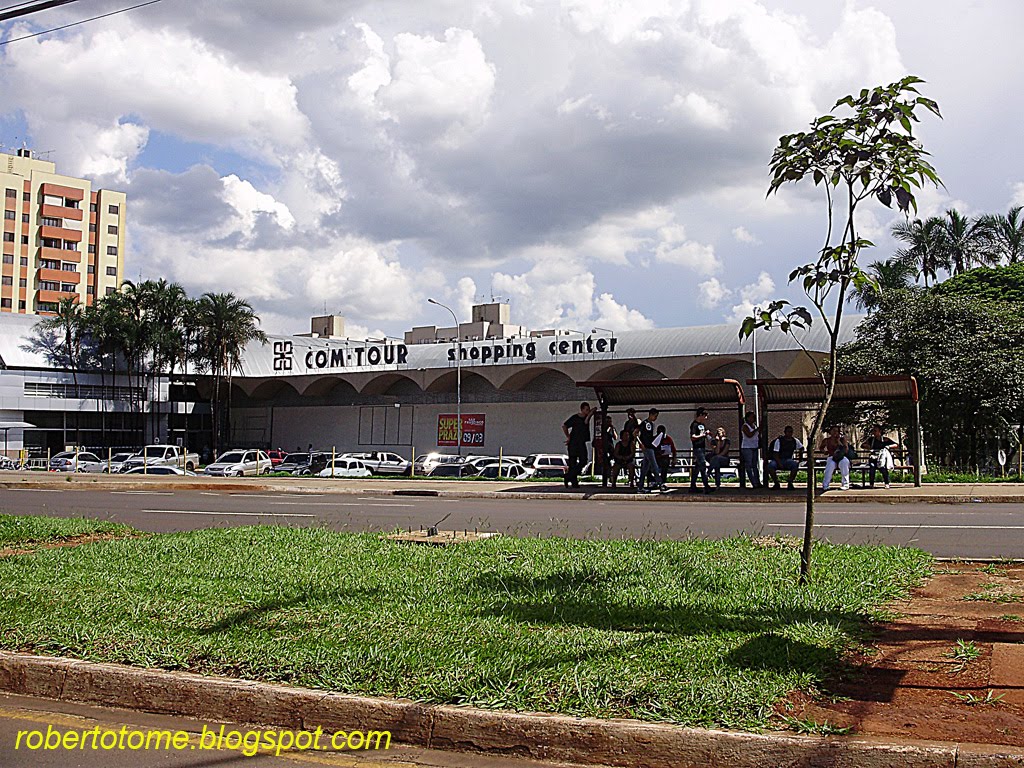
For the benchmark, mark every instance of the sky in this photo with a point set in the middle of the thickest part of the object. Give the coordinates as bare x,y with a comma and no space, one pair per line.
595,163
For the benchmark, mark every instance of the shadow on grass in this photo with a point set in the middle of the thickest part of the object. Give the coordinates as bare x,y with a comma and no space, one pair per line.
254,614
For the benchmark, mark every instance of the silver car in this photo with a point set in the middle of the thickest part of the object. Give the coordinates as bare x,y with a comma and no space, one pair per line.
77,461
239,463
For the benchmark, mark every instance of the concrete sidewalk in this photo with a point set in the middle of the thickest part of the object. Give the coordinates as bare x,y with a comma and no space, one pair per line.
938,493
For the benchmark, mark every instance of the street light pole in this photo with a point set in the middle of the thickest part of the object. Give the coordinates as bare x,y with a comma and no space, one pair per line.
458,369
753,341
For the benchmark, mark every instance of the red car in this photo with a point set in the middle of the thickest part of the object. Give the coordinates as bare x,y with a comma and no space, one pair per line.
276,456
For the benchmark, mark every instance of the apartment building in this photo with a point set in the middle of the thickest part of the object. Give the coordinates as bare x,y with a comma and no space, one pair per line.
61,238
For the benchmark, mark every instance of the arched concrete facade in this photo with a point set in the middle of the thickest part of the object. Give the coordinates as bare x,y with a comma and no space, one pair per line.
382,383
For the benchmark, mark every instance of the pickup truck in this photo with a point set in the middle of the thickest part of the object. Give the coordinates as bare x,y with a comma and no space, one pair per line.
162,455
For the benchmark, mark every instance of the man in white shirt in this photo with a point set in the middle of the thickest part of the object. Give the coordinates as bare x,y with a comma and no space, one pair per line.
750,449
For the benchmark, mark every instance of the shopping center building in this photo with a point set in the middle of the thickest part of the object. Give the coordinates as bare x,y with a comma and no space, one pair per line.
516,387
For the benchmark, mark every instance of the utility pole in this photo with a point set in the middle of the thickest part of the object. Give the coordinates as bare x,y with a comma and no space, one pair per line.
458,369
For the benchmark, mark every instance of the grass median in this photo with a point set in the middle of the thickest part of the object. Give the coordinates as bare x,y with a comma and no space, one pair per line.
18,530
707,633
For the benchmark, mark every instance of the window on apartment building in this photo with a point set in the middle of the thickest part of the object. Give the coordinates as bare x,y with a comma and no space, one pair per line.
49,285
46,306
24,239
111,229
8,237
21,305
49,221
70,245
53,200
68,288
69,266
12,193
10,215
8,280
49,264
92,207
92,248
24,218
24,261
111,250
89,290
5,303
110,290
8,258
27,197
49,242
22,282
91,269
92,227
112,271
113,209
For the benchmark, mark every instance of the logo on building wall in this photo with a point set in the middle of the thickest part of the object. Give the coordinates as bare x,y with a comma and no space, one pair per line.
282,355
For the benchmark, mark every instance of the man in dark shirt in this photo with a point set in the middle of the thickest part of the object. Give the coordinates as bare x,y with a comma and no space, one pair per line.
782,455
699,446
648,435
632,427
577,437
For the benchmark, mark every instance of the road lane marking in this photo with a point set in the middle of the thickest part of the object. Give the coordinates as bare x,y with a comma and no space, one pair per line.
965,527
142,493
37,490
208,493
233,514
332,504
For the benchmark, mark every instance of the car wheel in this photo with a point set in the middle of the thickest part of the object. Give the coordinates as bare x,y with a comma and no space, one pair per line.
190,467
240,473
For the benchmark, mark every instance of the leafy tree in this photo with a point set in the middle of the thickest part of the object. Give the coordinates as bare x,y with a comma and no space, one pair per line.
1006,235
995,283
224,325
891,276
867,153
965,352
924,247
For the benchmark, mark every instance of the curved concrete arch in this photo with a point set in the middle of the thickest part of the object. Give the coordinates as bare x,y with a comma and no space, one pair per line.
471,381
322,386
379,385
709,366
520,379
267,389
627,371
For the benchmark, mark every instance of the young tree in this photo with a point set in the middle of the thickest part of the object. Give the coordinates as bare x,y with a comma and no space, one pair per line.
867,153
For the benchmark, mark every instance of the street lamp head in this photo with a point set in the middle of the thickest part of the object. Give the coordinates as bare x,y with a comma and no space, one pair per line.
431,301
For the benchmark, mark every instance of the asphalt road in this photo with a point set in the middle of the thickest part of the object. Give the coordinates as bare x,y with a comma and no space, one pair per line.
23,715
981,530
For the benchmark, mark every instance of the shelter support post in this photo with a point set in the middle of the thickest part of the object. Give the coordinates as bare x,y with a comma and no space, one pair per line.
918,444
765,442
741,410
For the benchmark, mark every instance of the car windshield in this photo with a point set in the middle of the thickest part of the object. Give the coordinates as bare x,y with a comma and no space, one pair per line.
297,458
65,455
122,456
232,457
154,451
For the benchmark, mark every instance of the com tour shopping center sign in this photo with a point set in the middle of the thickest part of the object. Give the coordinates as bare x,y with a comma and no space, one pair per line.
472,429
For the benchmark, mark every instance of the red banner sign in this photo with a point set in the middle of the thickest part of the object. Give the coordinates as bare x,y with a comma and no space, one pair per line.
472,429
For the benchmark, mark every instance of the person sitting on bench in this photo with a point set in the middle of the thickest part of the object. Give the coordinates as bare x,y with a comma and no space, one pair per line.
881,456
782,455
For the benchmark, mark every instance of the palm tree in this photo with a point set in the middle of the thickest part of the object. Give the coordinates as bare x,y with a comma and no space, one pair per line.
164,306
69,324
889,276
225,324
965,241
924,250
1006,235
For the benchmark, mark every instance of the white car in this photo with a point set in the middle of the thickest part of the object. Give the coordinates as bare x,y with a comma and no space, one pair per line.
161,469
117,461
81,461
239,463
510,470
382,462
547,464
426,462
345,468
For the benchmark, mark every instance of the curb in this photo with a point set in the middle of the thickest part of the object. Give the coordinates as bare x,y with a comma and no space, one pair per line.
585,741
680,496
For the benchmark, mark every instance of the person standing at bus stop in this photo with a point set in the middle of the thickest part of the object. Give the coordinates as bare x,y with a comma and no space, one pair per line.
577,437
699,446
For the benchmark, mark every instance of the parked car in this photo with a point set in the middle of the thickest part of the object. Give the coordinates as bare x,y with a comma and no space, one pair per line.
547,464
382,462
304,464
161,455
239,463
161,469
77,461
511,470
454,469
427,461
117,461
276,456
345,468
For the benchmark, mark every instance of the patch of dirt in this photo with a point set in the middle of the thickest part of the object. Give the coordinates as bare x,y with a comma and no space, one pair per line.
950,669
30,547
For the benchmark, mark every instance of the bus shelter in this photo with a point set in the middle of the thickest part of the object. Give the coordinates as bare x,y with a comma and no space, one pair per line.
670,396
781,395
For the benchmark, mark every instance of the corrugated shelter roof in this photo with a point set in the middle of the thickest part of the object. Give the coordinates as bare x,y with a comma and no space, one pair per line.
666,391
848,389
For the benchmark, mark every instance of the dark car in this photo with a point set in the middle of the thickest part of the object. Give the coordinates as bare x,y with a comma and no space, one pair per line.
304,463
453,470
